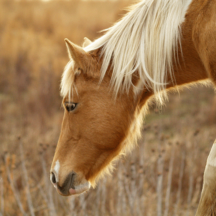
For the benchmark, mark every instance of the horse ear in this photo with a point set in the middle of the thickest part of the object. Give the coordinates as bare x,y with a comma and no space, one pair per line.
86,42
76,53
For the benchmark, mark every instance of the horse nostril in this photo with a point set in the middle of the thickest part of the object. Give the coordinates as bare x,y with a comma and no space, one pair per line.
53,178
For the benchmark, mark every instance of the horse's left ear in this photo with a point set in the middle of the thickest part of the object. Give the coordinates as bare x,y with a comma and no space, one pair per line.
76,53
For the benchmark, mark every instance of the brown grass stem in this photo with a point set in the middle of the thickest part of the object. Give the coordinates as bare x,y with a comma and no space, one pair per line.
169,183
48,186
2,195
178,198
27,187
15,192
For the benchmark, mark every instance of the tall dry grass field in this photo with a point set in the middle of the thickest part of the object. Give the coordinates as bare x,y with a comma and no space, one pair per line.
162,176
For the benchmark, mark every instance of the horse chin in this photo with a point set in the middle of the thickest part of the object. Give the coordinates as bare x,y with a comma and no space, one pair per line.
78,189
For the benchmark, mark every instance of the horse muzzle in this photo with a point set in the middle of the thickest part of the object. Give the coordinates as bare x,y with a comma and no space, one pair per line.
70,185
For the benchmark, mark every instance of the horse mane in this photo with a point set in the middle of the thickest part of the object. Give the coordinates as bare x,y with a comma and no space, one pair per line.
144,41
68,79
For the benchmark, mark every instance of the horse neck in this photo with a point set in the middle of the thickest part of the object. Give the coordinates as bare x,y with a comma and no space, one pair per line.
189,67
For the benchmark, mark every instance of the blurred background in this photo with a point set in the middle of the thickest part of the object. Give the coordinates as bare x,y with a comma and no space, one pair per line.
163,174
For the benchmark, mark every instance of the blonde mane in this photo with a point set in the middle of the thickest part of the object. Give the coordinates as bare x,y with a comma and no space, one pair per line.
144,40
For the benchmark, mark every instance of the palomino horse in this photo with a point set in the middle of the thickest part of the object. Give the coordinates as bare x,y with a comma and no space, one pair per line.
158,46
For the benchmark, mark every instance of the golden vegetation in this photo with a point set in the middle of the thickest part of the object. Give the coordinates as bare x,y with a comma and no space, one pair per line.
163,176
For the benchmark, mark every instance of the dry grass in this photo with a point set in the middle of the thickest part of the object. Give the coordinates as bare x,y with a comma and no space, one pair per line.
162,176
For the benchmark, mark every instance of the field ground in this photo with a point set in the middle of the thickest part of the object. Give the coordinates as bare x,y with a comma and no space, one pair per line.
161,176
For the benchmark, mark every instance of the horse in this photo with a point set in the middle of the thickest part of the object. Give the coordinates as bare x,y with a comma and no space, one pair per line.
158,46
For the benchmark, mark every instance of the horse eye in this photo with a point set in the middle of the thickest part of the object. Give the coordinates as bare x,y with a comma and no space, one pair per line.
70,106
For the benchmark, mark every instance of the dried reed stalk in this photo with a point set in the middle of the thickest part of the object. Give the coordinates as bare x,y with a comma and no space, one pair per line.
141,177
120,201
83,204
133,188
72,205
43,194
160,163
142,196
60,204
180,182
160,185
16,194
191,178
28,194
98,198
197,191
48,186
130,197
104,195
169,183
2,195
